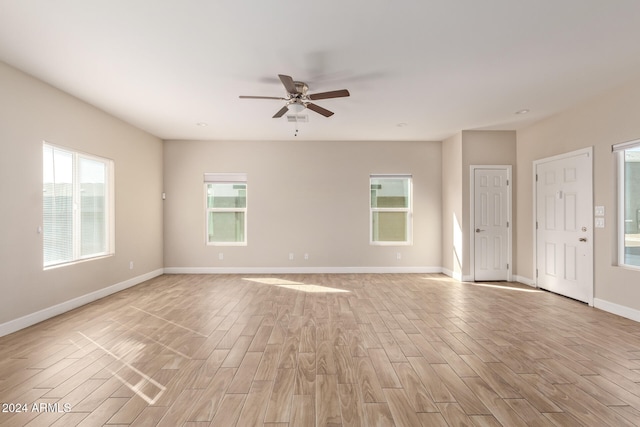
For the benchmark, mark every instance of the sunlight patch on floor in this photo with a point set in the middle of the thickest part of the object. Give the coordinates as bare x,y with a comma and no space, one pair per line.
144,384
504,287
147,337
484,285
296,286
170,322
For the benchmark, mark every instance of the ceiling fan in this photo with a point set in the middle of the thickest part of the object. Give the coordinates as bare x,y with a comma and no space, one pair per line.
298,98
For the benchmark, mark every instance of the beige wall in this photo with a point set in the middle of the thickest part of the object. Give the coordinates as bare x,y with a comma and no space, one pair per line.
459,153
303,197
30,112
598,123
452,250
484,148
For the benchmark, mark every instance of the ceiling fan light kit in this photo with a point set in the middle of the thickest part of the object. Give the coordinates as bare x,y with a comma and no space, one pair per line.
298,99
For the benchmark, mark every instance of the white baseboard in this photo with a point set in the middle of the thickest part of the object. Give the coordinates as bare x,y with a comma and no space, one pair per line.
47,313
524,280
452,274
620,310
299,270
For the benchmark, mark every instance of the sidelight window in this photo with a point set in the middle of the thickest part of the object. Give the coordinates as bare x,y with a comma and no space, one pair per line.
628,157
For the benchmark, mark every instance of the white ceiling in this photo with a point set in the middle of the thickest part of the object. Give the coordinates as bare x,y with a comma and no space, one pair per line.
438,66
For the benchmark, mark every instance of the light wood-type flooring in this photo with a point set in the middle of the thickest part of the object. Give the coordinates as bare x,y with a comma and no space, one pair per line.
324,350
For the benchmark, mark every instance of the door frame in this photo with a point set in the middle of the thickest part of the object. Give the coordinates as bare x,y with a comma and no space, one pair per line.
472,217
589,152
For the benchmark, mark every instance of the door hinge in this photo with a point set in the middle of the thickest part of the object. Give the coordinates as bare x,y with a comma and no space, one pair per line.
507,224
507,182
536,177
536,272
507,266
536,225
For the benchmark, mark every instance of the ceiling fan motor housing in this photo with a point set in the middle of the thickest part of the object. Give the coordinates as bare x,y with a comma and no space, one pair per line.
301,88
298,99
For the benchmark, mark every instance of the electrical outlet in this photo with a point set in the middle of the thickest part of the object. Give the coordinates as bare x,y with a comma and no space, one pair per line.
398,255
290,256
220,256
130,265
306,256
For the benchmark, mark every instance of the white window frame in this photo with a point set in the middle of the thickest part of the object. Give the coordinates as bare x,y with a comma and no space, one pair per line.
407,210
225,178
619,152
109,223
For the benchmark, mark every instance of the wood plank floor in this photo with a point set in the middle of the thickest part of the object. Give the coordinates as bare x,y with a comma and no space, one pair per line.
324,350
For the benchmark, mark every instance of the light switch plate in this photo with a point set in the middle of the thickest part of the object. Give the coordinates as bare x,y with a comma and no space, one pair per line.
599,222
599,210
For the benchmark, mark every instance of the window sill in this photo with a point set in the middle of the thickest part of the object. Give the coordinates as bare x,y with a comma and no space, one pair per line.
390,243
630,267
78,261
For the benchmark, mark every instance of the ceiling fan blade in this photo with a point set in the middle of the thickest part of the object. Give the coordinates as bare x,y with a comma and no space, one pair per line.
332,94
262,97
281,112
319,109
287,81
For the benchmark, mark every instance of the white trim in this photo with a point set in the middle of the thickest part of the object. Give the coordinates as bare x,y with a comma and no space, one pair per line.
208,210
391,175
625,145
457,276
300,270
31,319
534,224
620,184
390,243
408,210
225,177
472,234
525,281
620,164
452,274
589,152
617,309
76,218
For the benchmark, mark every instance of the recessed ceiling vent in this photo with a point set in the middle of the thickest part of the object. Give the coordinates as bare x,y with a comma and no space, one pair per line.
297,118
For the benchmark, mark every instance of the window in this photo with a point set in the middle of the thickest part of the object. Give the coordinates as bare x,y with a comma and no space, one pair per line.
390,209
226,215
629,203
77,206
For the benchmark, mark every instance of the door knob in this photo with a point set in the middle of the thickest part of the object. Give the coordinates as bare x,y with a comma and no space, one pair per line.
478,230
583,239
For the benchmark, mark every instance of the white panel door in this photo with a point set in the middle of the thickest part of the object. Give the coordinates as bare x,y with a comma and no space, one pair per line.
564,248
491,224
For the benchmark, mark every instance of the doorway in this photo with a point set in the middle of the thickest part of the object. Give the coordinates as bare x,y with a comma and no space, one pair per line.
563,201
491,223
